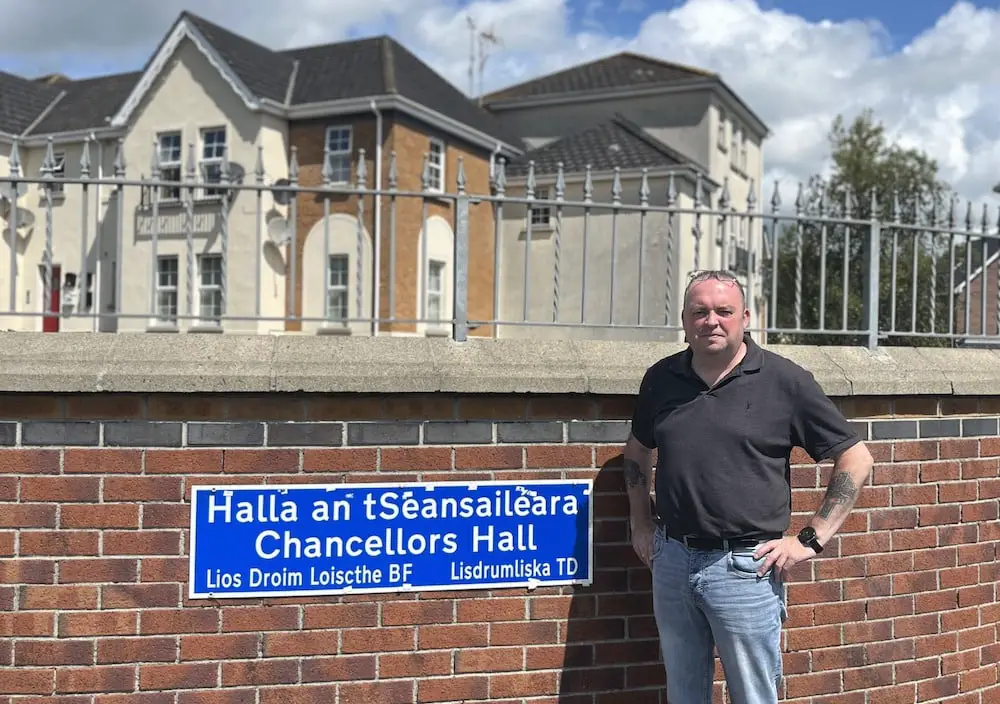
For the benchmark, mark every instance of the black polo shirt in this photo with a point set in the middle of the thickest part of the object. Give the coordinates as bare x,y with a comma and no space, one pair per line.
723,467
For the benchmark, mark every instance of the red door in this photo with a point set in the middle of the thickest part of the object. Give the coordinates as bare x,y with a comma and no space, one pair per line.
51,323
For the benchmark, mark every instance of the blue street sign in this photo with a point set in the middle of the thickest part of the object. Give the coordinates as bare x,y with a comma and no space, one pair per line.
319,539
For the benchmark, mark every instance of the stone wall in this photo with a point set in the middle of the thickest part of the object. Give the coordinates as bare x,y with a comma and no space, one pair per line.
103,439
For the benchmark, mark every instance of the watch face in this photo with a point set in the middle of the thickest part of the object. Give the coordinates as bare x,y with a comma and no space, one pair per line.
808,533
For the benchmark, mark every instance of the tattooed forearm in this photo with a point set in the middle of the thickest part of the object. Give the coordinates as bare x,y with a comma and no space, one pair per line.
634,476
840,492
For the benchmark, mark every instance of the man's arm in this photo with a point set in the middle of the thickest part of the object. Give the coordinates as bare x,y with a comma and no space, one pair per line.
851,469
850,472
638,472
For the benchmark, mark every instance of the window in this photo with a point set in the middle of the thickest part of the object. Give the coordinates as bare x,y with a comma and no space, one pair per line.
210,288
435,165
541,214
734,150
58,171
338,144
170,164
435,289
336,287
166,289
213,149
743,153
722,130
84,300
88,298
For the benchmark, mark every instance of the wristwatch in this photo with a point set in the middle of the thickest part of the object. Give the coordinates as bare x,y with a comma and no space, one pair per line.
807,536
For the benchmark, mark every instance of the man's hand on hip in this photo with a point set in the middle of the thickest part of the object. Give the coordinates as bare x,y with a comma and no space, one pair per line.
783,554
642,539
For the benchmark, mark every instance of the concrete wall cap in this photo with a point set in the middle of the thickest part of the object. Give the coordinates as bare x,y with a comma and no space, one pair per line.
168,363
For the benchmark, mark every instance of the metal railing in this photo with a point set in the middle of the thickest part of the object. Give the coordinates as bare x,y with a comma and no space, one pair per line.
210,245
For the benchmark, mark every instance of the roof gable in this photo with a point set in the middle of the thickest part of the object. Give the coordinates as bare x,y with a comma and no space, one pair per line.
623,70
615,143
183,29
266,73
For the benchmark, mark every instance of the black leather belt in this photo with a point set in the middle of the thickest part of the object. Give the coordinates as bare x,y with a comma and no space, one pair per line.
726,544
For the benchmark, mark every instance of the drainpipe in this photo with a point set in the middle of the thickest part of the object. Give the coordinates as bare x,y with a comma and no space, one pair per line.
377,235
493,162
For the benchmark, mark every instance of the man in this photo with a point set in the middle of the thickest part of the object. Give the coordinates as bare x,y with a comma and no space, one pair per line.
723,416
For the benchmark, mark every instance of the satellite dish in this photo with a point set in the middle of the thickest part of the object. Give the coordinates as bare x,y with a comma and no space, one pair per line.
282,197
25,218
20,189
236,172
278,231
274,257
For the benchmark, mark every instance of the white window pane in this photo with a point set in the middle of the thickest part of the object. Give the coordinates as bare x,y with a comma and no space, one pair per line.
435,289
170,148
336,291
340,168
338,304
213,144
339,139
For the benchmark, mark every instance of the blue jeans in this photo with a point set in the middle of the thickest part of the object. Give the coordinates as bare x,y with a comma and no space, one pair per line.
704,600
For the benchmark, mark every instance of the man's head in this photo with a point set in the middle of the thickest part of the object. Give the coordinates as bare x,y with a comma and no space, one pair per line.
715,315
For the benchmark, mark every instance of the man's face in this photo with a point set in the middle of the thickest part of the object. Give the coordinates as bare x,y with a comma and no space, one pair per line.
715,317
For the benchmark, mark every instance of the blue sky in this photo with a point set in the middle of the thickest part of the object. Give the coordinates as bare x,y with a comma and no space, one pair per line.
902,19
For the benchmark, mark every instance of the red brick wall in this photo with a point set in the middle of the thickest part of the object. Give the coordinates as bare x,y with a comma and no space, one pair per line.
902,607
976,304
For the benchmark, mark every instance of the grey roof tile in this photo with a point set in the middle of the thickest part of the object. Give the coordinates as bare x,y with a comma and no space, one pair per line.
88,103
22,101
623,70
264,71
352,69
614,143
382,66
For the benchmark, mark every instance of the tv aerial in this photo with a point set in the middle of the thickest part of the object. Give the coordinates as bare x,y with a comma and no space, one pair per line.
479,43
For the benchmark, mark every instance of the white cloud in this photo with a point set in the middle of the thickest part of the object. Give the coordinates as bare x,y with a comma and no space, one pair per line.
938,93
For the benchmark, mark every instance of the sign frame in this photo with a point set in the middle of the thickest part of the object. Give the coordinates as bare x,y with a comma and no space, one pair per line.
528,583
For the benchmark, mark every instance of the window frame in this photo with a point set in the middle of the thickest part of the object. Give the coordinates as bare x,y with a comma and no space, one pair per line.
342,173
